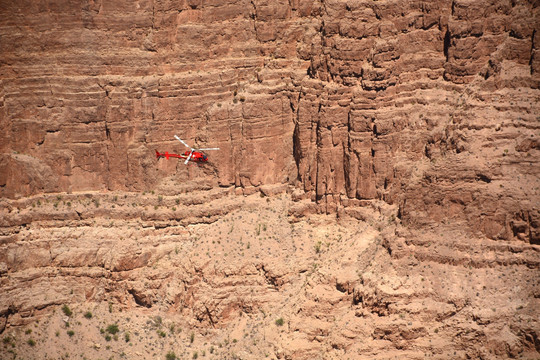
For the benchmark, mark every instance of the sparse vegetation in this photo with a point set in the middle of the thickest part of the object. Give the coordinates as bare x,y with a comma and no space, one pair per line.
70,333
157,321
280,322
88,315
318,247
31,342
66,310
8,340
170,356
112,329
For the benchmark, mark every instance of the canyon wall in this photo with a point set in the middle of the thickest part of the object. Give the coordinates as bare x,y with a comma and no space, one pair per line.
430,105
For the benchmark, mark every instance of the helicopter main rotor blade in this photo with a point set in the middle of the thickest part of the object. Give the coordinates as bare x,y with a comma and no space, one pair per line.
209,149
182,141
189,157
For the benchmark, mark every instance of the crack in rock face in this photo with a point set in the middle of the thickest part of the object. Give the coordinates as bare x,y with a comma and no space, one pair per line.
375,193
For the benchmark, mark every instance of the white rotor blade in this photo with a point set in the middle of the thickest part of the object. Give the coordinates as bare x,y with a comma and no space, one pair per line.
209,149
189,157
182,141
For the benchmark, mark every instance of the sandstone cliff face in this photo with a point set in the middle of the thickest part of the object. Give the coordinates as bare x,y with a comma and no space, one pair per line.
416,123
227,268
432,105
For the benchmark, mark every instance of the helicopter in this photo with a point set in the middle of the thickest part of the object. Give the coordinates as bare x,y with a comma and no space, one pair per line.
195,155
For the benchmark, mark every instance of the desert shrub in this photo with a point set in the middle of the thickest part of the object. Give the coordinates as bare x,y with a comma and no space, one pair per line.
67,310
279,322
112,329
318,247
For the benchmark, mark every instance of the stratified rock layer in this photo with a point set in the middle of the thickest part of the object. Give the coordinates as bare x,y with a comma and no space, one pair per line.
251,278
416,123
432,105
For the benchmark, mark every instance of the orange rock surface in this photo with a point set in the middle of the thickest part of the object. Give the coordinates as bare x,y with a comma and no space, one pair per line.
405,135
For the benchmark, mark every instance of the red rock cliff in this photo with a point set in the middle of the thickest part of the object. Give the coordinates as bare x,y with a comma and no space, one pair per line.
432,105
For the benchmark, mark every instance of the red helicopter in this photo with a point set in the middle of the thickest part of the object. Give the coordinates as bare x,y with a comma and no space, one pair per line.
193,154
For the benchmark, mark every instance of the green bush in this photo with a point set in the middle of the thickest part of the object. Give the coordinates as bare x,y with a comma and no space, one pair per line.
67,310
318,247
279,322
71,333
112,329
170,355
88,315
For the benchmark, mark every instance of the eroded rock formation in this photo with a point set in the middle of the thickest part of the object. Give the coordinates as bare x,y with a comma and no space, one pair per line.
348,99
431,105
417,119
